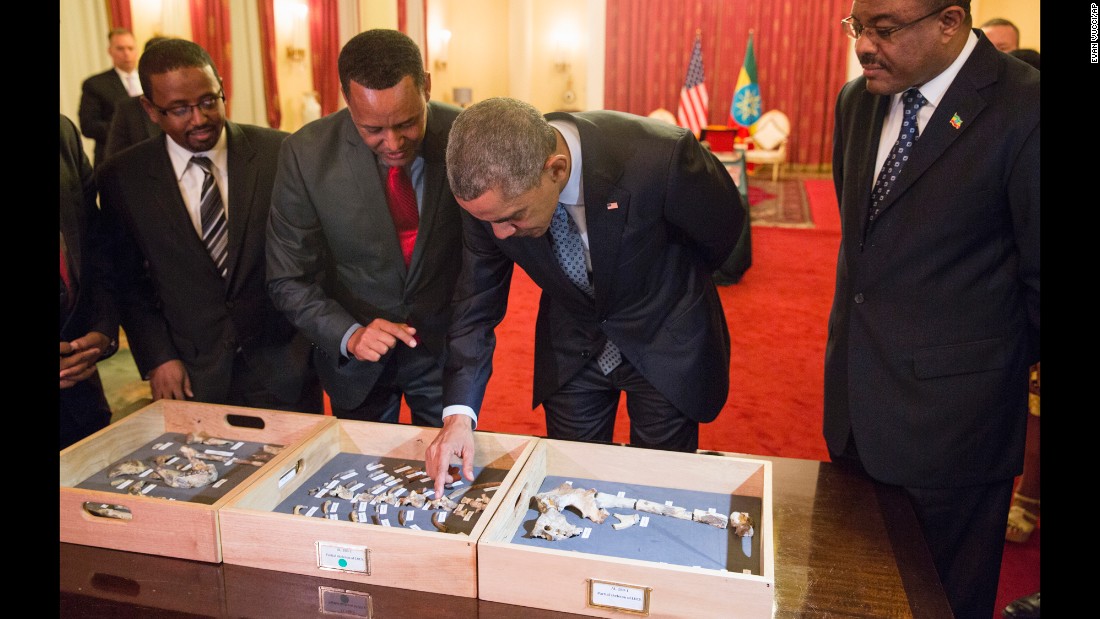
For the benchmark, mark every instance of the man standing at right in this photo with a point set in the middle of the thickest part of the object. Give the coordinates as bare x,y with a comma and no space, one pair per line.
935,317
100,93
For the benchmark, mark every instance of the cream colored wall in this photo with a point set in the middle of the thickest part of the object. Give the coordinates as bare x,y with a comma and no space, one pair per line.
377,14
1023,13
535,51
478,52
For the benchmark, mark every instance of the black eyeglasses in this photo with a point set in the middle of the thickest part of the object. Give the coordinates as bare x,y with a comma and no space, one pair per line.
854,29
205,105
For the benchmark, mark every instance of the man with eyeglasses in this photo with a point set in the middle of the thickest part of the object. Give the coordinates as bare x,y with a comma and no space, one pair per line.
187,212
935,318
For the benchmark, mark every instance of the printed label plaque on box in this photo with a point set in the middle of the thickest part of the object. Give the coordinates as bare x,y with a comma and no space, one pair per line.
343,557
617,596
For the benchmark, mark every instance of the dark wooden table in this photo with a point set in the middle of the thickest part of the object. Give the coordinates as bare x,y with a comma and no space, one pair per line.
845,546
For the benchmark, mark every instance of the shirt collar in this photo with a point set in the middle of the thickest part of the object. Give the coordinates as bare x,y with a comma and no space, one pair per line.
934,89
181,157
573,192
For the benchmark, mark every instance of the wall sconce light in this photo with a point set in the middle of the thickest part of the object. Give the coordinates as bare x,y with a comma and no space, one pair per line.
443,45
562,44
463,96
296,47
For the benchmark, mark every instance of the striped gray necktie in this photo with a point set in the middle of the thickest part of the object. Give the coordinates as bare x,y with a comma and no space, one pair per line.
569,249
215,229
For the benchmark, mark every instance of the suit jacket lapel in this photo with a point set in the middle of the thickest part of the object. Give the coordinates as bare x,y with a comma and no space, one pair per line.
165,199
242,191
605,208
962,100
362,167
436,187
165,202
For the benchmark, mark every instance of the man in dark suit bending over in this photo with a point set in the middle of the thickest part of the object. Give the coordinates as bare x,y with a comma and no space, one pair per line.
935,318
364,272
640,215
187,211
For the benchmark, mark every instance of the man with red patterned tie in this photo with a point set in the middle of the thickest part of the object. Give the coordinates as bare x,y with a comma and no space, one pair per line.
364,235
89,317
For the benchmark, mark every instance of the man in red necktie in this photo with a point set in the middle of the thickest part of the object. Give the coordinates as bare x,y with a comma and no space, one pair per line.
364,234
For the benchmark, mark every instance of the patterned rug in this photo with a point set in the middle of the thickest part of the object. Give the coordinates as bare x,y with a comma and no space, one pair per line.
782,204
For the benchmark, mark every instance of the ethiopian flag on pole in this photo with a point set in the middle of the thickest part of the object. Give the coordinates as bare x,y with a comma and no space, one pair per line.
746,105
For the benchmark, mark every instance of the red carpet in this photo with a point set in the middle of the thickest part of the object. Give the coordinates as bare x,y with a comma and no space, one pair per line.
778,317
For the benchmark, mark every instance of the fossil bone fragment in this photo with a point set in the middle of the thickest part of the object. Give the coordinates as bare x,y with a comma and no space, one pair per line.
200,474
566,495
614,501
300,510
205,439
442,503
128,467
741,523
662,510
415,499
714,519
625,521
342,492
553,526
109,511
439,519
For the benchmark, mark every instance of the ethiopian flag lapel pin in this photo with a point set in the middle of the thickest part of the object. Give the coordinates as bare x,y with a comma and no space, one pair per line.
956,122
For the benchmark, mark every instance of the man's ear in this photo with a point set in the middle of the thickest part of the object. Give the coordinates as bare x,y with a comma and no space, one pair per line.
951,20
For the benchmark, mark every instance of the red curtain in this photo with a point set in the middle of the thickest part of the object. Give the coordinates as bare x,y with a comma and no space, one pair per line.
210,29
324,47
268,60
118,12
801,60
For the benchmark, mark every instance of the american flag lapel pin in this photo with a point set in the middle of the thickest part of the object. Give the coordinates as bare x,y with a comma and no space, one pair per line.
956,122
612,206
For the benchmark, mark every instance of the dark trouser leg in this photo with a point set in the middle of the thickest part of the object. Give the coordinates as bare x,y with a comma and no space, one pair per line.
413,373
248,389
584,409
964,529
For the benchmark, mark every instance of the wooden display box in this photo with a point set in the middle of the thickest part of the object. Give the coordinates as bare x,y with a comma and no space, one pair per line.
254,534
607,586
158,526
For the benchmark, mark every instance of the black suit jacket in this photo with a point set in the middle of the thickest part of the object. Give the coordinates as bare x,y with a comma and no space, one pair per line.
99,94
662,214
333,258
176,305
129,126
87,304
936,314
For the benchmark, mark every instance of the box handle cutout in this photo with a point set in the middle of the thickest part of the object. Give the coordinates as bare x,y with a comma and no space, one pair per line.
107,510
245,421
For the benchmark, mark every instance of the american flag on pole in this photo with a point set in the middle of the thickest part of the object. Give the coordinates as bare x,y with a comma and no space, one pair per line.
694,101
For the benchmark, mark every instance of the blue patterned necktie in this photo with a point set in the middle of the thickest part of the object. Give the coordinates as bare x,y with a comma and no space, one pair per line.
899,154
212,215
569,249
